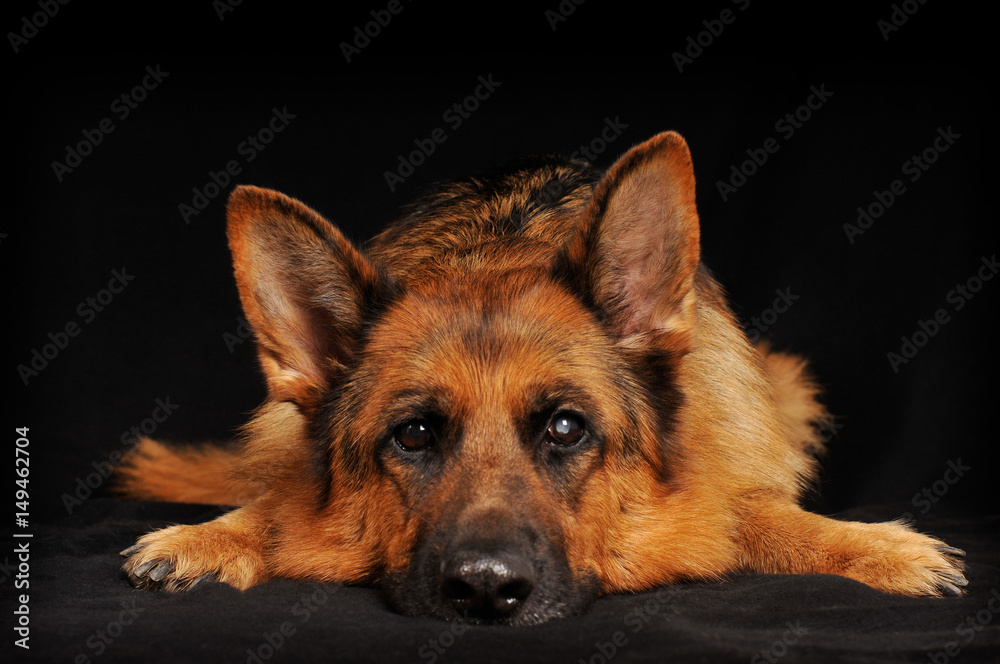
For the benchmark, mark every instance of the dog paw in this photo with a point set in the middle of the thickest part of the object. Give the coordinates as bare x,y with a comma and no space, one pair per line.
180,558
901,561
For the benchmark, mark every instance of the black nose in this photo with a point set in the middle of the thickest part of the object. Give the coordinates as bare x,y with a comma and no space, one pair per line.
486,586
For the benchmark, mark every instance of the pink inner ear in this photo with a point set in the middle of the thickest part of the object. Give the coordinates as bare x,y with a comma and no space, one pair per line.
300,283
289,335
649,237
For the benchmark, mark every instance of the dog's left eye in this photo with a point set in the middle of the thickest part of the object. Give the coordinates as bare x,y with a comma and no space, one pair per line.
414,435
565,429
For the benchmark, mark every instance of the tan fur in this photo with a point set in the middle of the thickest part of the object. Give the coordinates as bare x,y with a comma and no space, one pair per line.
189,474
473,301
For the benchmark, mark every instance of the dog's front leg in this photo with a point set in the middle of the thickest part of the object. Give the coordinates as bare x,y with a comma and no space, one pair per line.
229,549
777,536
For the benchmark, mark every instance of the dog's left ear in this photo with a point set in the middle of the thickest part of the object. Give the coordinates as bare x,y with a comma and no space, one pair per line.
638,247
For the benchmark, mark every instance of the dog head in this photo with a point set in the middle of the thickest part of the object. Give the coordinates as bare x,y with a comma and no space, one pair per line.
488,391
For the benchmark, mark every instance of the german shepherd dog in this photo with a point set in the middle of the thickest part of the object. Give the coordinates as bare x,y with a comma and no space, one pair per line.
525,392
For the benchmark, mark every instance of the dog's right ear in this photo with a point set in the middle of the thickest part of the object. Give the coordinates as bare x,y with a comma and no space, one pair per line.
303,286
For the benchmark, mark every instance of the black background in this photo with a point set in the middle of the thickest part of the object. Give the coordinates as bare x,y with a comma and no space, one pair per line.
163,336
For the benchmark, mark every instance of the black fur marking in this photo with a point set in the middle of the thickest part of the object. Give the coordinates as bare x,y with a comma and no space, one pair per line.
568,467
373,300
552,182
323,438
655,371
576,278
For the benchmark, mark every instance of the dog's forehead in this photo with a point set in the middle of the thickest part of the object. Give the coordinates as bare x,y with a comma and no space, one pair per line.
472,332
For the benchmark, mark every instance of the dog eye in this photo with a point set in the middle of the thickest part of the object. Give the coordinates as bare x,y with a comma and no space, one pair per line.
414,435
565,429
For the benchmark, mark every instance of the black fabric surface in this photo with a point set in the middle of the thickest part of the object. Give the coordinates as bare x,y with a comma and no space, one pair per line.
761,618
900,73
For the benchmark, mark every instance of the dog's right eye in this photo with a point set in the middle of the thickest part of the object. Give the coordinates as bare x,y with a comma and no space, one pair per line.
565,429
414,435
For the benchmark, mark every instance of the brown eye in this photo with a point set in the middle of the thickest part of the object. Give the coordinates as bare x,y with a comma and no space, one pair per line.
565,429
414,435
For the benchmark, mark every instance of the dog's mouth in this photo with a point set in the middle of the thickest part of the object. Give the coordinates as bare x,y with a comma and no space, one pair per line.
491,583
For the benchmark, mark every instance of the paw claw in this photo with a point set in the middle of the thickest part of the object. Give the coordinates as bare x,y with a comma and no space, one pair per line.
948,589
895,558
135,548
181,557
204,578
161,570
142,569
957,579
